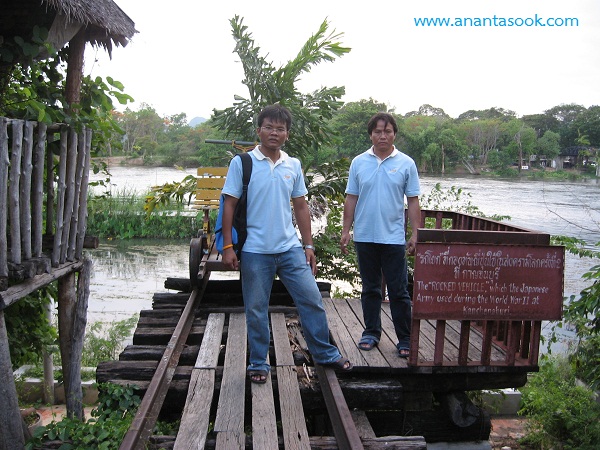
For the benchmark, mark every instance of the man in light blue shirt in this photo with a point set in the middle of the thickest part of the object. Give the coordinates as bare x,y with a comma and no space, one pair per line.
272,246
378,181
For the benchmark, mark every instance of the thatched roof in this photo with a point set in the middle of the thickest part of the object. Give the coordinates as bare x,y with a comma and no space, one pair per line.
104,22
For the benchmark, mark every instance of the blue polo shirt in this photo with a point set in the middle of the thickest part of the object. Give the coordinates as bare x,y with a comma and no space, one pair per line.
381,187
269,214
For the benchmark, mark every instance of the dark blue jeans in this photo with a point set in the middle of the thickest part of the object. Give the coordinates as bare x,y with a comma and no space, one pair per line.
375,260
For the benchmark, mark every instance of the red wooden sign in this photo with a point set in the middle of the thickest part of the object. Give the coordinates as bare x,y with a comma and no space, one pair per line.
488,282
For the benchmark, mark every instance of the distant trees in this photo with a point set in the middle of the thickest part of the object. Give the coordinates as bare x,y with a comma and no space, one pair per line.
491,138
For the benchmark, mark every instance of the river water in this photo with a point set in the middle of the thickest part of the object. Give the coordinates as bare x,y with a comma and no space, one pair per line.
127,273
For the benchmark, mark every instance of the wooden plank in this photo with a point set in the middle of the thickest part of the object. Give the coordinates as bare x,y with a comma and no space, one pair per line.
363,426
230,440
389,339
211,171
440,335
281,341
230,411
210,183
342,337
211,342
264,421
195,419
295,434
208,194
351,313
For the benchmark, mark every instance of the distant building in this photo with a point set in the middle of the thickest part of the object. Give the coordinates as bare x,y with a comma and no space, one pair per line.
575,156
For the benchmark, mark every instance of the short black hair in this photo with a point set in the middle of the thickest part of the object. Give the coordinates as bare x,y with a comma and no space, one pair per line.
386,117
276,113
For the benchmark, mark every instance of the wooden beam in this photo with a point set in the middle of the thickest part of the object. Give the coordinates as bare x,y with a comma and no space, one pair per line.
17,292
11,431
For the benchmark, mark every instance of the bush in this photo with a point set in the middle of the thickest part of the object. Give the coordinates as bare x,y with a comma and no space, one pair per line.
122,216
110,421
561,413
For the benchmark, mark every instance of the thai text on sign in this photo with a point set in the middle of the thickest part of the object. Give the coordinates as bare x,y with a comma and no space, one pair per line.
488,282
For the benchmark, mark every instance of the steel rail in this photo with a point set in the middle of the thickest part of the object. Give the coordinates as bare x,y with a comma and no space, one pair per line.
147,414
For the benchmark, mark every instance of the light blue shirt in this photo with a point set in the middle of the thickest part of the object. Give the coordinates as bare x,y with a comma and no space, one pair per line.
269,214
381,187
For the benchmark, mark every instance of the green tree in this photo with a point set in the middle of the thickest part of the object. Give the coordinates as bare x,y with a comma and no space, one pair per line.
548,145
267,85
349,123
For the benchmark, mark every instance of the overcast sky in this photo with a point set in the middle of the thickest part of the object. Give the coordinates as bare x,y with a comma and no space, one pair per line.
182,59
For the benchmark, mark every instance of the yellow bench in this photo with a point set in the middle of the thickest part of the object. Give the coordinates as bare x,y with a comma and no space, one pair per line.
210,182
203,254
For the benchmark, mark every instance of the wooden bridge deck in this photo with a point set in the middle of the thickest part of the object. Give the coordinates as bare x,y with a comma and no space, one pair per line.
220,408
277,419
346,325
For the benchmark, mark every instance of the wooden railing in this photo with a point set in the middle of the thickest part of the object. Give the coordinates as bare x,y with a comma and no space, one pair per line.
490,284
27,161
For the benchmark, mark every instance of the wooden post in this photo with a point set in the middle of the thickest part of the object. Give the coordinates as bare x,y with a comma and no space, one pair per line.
13,192
4,162
82,226
48,385
37,192
75,67
62,173
69,193
11,424
49,193
75,395
79,166
25,189
66,314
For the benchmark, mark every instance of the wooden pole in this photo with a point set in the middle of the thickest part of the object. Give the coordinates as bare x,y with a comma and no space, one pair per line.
49,192
4,162
75,396
66,313
11,424
13,192
62,173
25,189
48,385
81,148
37,192
69,193
83,193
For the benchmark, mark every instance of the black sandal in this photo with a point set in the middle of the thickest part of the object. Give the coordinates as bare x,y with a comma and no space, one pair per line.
258,376
342,364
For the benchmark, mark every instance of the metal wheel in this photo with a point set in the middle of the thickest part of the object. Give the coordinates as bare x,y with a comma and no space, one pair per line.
196,252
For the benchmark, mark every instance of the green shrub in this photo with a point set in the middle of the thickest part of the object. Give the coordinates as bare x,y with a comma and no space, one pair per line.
106,429
122,216
561,414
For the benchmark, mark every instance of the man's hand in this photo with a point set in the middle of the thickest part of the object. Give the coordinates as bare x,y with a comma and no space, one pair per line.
230,259
311,259
344,242
411,245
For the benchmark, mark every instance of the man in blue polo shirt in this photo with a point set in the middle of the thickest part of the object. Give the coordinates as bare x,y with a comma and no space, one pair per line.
273,247
378,181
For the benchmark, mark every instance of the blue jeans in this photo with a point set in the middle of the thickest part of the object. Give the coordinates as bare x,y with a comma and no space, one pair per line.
258,272
389,260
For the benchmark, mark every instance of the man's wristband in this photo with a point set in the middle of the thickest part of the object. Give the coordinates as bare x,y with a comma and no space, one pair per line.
225,247
309,247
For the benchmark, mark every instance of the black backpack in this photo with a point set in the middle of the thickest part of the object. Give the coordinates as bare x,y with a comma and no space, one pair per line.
239,231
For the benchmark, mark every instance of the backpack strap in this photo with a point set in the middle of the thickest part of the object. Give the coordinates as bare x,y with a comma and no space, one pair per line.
247,169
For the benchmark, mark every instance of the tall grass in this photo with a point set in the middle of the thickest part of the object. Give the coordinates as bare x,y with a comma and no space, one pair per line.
121,216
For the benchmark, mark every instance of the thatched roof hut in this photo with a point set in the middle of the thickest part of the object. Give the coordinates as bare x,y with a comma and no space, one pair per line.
103,22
